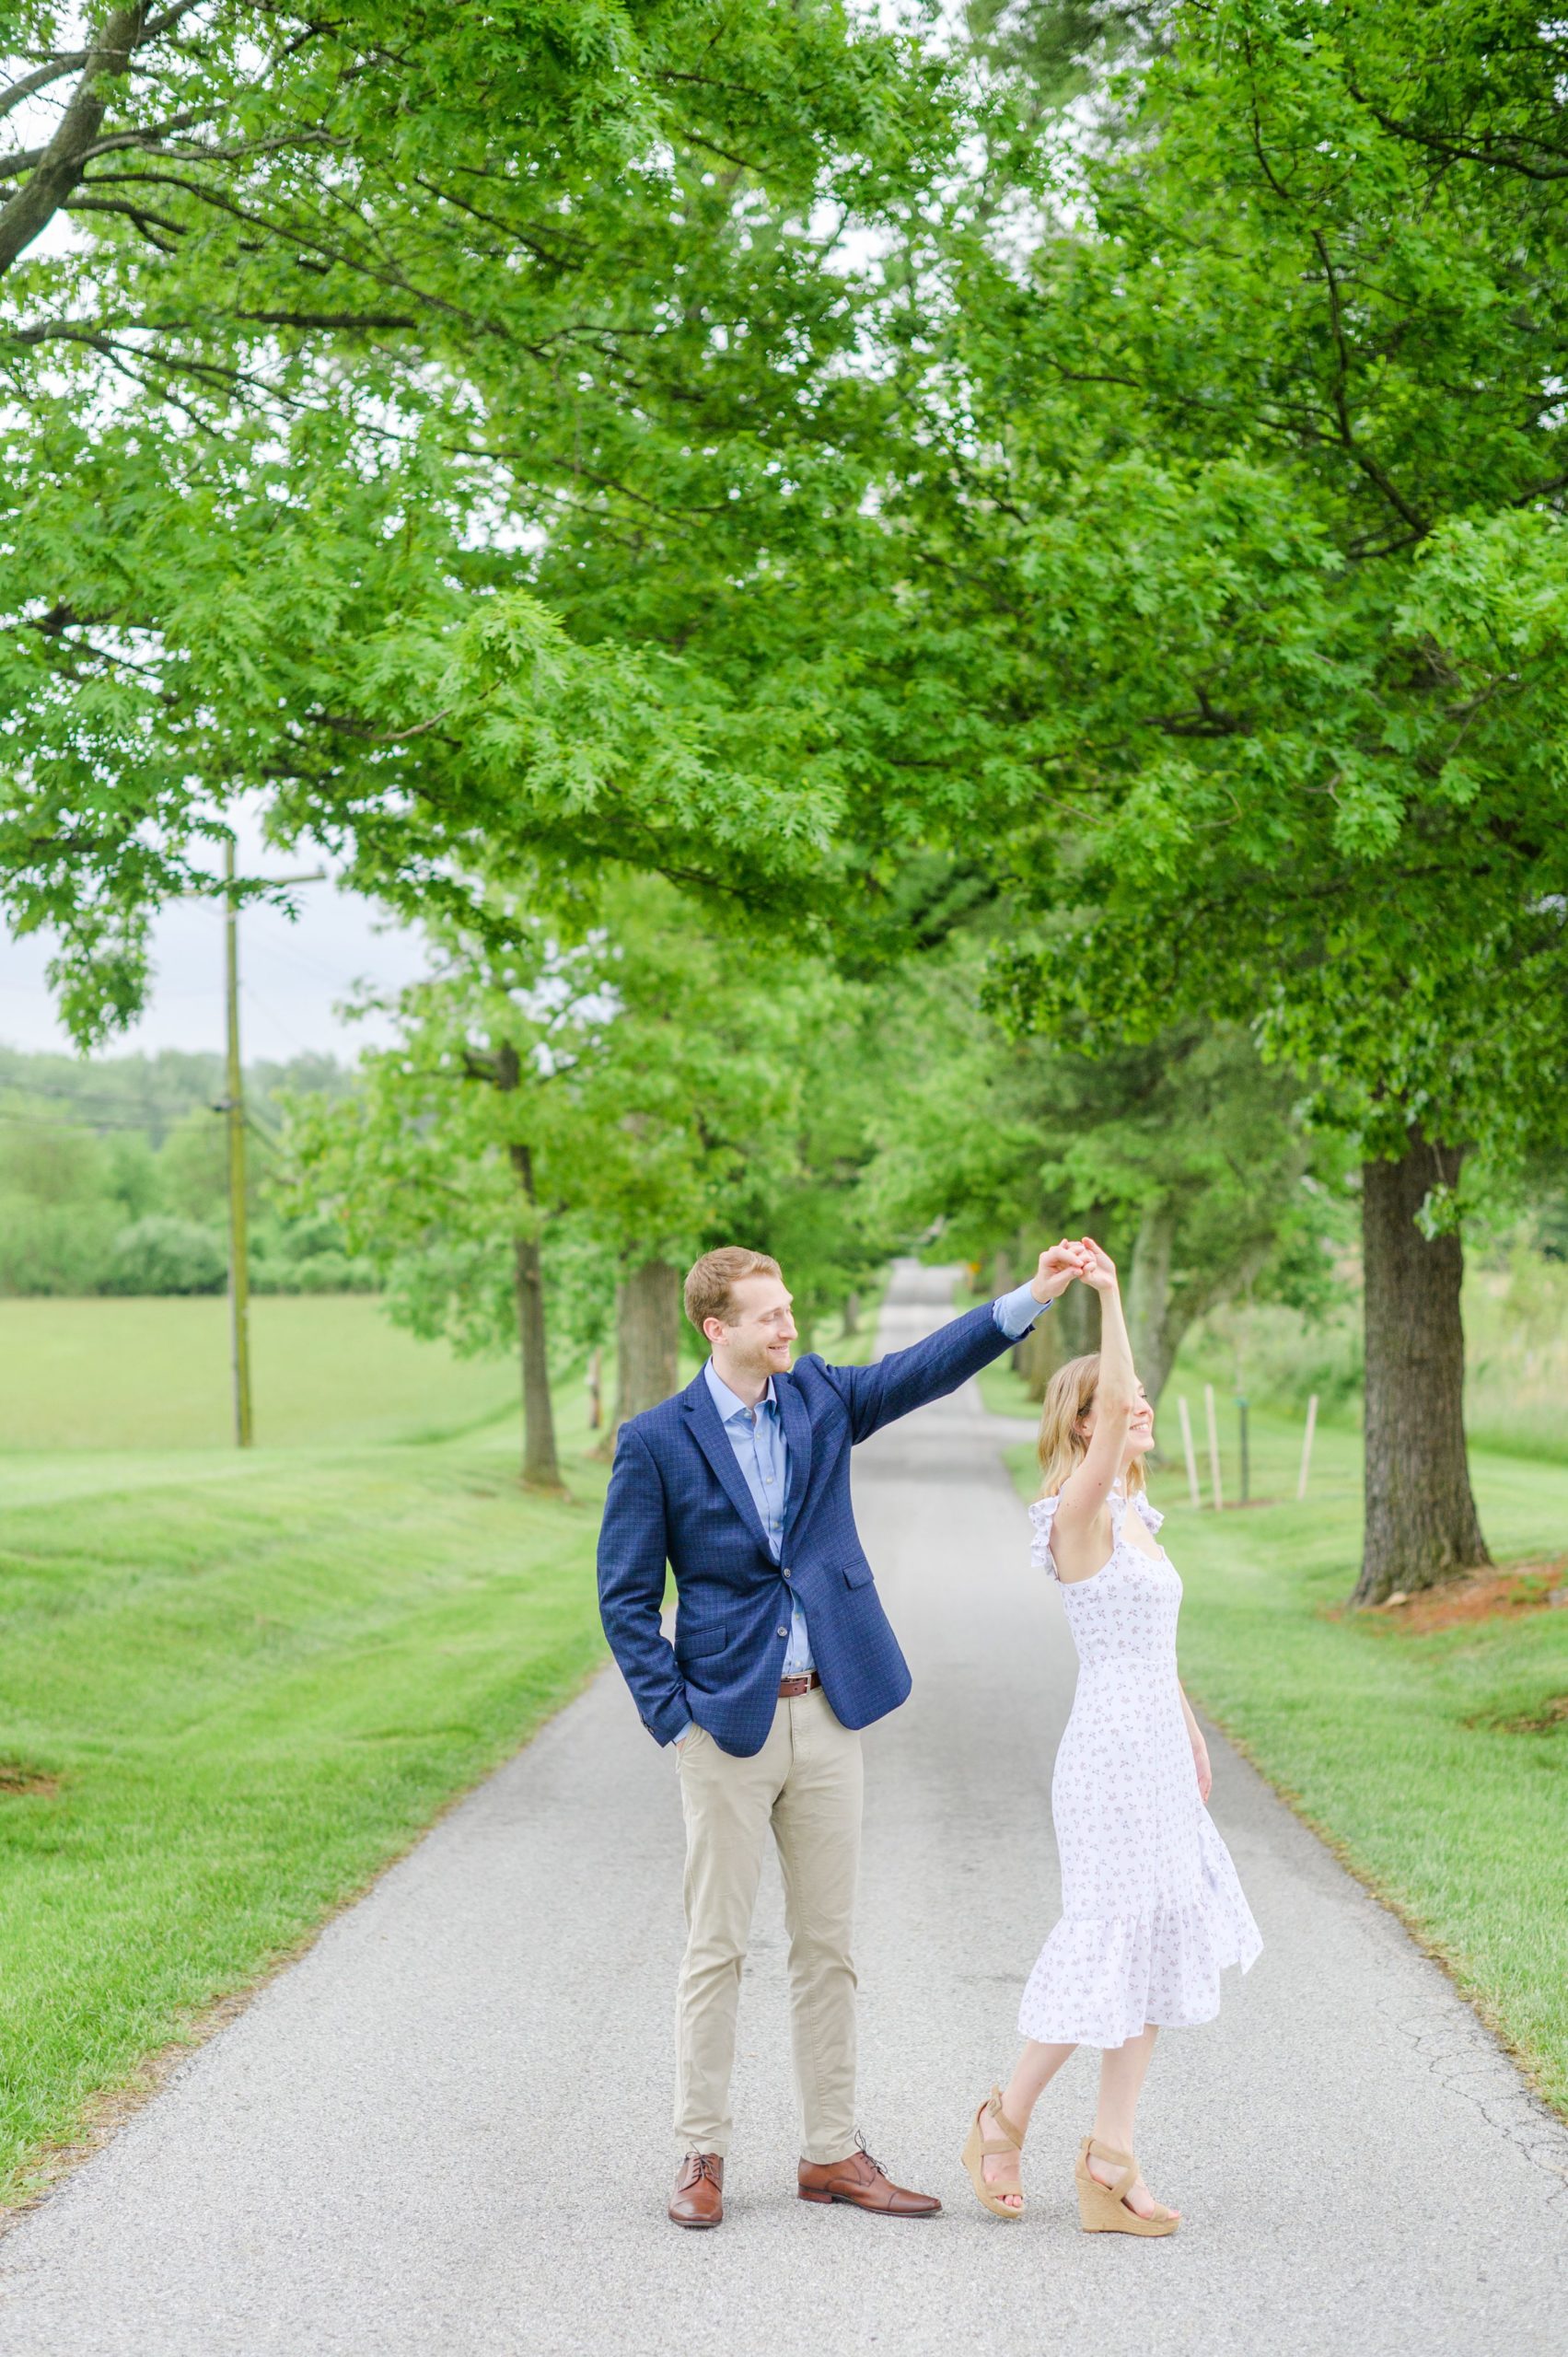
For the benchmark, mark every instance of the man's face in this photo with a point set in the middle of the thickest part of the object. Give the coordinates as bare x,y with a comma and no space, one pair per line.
758,1336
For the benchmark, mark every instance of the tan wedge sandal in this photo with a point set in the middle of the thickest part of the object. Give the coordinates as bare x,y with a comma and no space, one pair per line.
1102,2209
978,2147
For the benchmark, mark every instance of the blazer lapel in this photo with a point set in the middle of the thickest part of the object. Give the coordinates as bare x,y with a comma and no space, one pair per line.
708,1431
797,1437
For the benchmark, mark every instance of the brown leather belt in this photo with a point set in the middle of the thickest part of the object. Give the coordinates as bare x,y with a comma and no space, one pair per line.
790,1687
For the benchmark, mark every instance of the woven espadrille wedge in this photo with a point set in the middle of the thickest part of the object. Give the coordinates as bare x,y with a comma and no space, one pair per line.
978,2147
1102,2209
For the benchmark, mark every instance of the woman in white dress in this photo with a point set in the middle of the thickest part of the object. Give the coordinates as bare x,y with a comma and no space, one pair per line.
1151,1907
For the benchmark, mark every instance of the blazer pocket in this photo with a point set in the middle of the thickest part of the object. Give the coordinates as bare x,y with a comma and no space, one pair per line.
857,1575
708,1638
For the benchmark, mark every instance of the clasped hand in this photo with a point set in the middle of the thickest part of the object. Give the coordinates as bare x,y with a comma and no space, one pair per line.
1060,1263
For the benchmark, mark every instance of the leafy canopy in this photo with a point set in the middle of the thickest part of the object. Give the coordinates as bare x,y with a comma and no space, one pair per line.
1231,581
410,388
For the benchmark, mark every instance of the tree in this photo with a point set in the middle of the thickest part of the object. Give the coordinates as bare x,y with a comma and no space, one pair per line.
1185,1156
686,1113
367,325
431,1165
607,1092
162,1255
59,1208
807,1202
1234,581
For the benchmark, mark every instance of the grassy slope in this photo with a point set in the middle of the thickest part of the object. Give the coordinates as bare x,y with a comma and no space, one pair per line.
1391,1745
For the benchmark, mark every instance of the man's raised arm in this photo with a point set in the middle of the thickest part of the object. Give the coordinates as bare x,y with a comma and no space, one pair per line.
879,1394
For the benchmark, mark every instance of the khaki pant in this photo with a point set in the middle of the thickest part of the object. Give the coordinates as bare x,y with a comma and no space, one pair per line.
806,1783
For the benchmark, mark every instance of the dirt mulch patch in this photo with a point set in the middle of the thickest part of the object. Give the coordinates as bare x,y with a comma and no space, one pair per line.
1546,1721
18,1782
1483,1596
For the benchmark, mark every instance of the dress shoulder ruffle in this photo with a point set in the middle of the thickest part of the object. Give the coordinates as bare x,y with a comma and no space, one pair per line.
1042,1514
1150,1516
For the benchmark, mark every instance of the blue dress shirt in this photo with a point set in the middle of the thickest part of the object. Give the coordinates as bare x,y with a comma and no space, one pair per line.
756,1434
756,1437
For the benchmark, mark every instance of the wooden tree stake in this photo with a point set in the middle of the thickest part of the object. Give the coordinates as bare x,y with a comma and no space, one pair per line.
1190,1453
1307,1445
1213,1446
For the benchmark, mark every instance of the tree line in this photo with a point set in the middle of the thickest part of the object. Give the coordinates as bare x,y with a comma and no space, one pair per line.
1082,488
114,1177
552,1136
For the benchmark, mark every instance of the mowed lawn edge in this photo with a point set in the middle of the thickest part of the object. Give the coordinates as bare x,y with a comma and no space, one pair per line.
226,1706
1412,1758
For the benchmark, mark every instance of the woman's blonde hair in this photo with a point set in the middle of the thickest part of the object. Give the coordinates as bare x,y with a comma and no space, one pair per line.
1069,1396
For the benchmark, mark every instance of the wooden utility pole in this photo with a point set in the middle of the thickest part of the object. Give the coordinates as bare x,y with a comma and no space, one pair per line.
233,1110
234,1119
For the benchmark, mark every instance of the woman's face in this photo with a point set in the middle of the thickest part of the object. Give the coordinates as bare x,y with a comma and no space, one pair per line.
1140,1431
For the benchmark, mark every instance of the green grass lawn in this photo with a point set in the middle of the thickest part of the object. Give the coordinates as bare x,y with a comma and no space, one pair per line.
154,1375
1397,1747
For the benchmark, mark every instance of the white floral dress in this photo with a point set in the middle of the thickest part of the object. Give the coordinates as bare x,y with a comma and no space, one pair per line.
1152,1911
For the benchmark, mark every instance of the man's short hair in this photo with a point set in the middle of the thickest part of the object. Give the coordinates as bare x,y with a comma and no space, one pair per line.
711,1282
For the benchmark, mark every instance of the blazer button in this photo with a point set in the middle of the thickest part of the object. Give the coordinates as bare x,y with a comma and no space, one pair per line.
780,1632
787,1573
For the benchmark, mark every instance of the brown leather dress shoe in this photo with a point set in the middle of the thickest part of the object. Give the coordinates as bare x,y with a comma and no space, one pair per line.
865,2185
698,2199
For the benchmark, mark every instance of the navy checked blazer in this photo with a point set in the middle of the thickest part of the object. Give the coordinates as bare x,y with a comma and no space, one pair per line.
677,1495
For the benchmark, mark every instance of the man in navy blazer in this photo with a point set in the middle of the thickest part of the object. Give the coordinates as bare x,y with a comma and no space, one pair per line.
782,1654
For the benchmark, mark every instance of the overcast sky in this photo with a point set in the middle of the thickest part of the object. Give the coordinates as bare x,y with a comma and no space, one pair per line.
290,975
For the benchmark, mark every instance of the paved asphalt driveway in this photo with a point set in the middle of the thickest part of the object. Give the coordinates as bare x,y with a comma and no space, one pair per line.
444,2133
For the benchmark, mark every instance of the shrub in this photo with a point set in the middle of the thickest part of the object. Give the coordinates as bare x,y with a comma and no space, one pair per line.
164,1255
326,1272
54,1248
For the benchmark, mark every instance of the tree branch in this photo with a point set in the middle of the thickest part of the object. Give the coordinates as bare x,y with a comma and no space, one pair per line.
1498,153
29,212
1368,464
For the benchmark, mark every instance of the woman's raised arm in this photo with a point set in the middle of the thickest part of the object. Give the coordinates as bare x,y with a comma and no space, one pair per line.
1086,1488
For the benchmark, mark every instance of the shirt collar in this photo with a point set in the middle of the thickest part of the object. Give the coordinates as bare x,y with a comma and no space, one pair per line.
725,1399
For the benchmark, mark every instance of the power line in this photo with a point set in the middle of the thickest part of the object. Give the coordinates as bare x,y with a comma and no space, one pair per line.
24,1121
268,1014
58,1121
84,1092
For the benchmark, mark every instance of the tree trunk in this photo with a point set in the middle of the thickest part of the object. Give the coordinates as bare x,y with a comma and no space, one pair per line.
541,1468
1038,1357
1149,1323
1076,1320
647,1367
852,1316
1421,1526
